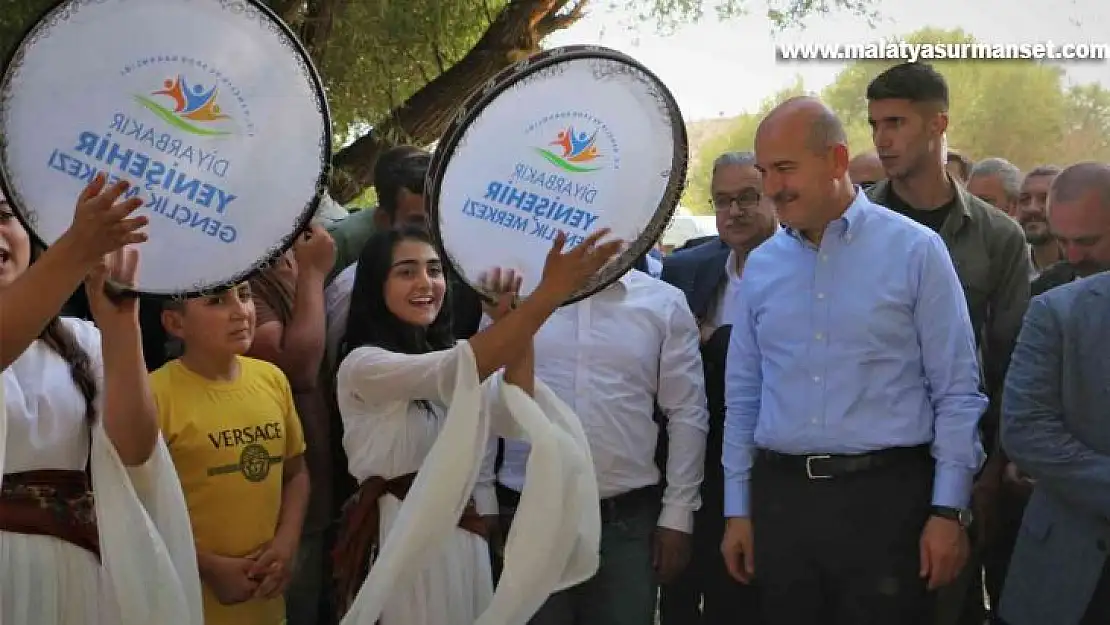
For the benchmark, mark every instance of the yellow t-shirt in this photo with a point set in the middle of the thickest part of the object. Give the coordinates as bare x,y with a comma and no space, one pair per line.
229,441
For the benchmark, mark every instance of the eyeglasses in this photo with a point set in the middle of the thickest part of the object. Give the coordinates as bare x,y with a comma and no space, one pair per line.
747,200
866,185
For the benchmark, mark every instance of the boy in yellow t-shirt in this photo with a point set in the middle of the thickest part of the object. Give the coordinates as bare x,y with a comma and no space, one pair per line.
237,443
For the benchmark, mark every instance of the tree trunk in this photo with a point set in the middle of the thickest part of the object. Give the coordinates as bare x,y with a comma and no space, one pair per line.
515,34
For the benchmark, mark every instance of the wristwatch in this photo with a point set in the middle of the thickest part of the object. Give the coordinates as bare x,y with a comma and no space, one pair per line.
959,515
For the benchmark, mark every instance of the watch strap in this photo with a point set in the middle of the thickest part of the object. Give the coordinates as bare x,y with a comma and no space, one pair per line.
959,515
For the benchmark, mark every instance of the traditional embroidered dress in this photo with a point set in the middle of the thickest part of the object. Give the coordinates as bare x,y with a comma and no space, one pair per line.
426,415
118,553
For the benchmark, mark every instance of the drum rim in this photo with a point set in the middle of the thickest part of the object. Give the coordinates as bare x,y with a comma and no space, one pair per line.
478,101
302,222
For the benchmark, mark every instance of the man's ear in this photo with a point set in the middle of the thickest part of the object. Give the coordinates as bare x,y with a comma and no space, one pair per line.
839,159
940,124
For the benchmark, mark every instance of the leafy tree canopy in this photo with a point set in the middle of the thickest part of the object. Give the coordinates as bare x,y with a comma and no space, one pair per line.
1020,110
402,67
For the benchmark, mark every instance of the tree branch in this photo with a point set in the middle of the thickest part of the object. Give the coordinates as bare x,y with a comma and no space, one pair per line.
425,116
287,10
555,20
317,26
440,62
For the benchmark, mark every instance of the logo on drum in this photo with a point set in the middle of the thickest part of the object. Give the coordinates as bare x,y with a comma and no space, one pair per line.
578,151
188,107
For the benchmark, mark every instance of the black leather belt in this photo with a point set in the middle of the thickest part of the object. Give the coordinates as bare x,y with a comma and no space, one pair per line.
830,466
612,508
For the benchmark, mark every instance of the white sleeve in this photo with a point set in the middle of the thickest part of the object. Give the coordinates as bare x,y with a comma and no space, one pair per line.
377,375
681,397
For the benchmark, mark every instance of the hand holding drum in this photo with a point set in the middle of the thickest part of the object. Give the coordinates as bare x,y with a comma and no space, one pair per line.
564,273
102,224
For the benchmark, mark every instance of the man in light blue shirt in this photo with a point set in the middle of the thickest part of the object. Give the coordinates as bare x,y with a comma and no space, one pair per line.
853,396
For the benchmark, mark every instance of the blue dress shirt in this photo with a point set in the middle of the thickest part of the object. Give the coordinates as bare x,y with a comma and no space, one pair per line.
861,344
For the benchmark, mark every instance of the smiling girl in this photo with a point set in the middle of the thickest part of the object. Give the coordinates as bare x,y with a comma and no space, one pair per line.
403,381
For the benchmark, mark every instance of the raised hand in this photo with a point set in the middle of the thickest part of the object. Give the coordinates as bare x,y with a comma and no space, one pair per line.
102,223
503,286
117,270
315,250
565,273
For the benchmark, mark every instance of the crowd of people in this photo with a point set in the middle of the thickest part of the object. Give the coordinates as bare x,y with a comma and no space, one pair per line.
876,397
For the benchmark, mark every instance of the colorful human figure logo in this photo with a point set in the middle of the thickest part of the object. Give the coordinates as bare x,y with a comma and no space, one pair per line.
194,107
577,150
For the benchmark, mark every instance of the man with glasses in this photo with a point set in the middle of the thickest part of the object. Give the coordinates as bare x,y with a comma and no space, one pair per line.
709,275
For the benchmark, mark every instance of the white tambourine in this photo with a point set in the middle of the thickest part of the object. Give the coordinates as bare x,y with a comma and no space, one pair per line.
574,139
210,108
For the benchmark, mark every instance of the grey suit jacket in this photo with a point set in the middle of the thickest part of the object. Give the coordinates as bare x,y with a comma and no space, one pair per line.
1056,427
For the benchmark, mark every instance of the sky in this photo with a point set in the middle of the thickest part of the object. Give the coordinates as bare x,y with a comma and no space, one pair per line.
726,68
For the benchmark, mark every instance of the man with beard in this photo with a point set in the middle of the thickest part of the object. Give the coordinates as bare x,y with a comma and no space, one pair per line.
908,113
709,275
997,182
1054,421
1079,221
852,396
1032,214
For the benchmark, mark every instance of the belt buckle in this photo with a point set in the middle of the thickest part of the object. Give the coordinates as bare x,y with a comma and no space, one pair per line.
809,467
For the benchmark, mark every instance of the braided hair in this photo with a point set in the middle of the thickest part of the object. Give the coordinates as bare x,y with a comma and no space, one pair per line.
59,338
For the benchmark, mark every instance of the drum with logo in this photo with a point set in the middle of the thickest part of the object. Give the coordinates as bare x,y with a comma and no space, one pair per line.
574,139
210,108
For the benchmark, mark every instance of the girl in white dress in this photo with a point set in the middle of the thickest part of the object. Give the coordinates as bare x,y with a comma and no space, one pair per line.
403,382
78,419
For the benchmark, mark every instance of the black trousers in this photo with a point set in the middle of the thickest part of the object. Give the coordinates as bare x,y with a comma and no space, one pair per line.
1098,610
844,550
1010,511
705,594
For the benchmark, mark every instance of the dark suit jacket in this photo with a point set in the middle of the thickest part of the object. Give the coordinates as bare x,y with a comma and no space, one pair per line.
1057,275
695,242
698,272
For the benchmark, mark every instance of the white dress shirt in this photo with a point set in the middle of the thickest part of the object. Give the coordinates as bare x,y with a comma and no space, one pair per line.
611,357
337,303
726,295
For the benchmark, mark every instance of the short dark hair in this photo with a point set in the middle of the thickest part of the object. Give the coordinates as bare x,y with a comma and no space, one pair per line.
1080,179
919,83
177,303
1044,170
401,167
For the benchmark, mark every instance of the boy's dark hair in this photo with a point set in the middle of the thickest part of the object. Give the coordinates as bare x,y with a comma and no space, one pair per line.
401,167
176,304
919,83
